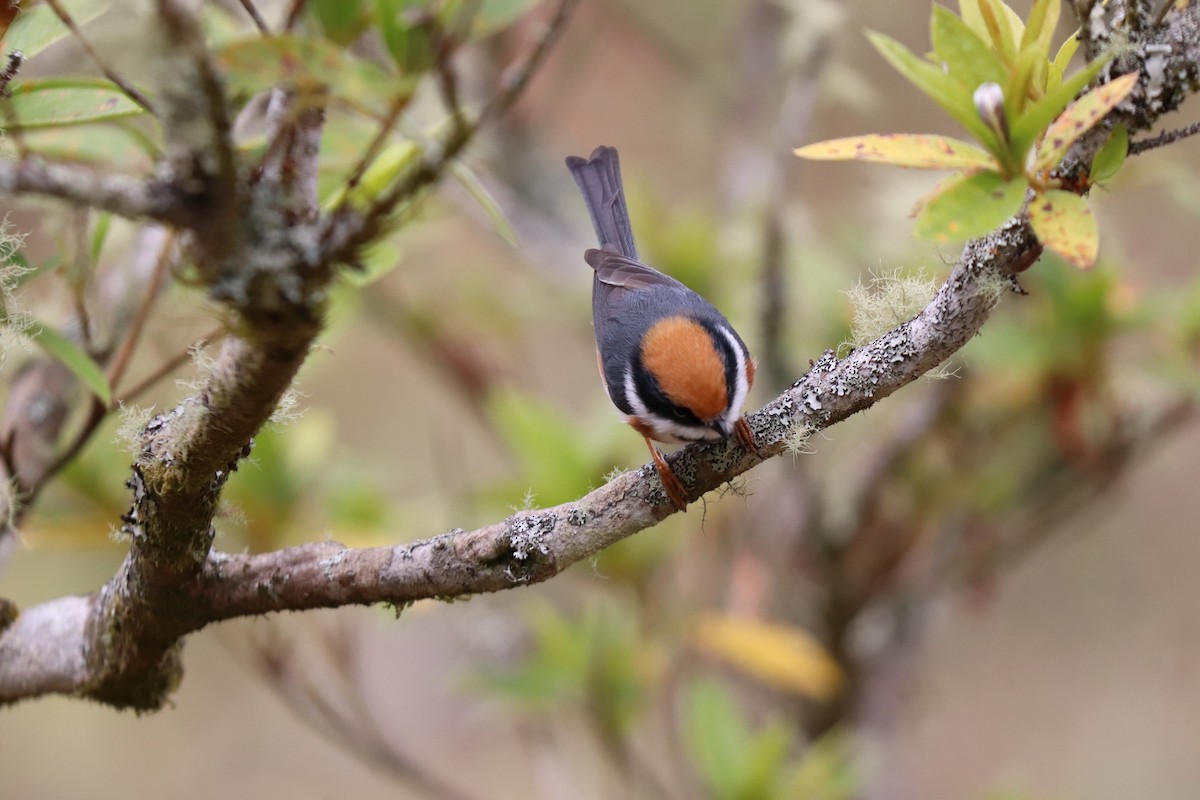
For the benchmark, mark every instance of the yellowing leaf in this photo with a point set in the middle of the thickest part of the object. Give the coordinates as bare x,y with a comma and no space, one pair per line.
1027,128
1080,117
945,90
901,150
970,206
781,656
50,103
1064,223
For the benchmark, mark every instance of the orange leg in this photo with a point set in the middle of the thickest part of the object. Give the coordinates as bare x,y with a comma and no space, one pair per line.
671,484
745,435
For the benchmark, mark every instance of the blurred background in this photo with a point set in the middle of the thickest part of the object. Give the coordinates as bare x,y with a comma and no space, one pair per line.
981,588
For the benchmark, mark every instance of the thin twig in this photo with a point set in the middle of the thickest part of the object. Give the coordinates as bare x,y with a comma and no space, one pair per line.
355,729
1163,139
361,229
447,76
15,60
97,412
125,86
120,362
77,282
293,15
11,125
187,116
1163,10
167,367
514,79
399,103
259,22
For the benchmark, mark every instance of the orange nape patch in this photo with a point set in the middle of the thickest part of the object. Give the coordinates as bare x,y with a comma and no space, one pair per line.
682,357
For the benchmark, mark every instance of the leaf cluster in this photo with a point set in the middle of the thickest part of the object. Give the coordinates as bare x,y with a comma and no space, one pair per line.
994,73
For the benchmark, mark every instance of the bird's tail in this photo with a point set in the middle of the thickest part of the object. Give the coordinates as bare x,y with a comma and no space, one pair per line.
599,179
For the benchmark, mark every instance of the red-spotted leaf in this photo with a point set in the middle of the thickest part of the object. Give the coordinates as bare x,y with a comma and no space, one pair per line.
1034,120
902,150
51,102
970,206
1080,117
1064,223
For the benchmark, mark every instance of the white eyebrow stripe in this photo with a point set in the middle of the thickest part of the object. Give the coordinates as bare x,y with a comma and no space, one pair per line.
743,385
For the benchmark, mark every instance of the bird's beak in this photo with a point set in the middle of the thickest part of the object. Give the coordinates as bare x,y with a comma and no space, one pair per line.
722,426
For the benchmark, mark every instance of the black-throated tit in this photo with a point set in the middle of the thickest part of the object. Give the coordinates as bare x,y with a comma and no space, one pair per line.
670,361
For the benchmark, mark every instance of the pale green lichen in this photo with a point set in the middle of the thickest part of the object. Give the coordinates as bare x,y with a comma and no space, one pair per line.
888,300
129,431
14,321
797,443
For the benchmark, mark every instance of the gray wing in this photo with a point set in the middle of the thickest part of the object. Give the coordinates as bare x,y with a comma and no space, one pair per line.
616,270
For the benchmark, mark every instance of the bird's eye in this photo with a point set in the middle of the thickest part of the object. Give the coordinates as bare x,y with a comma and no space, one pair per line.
679,414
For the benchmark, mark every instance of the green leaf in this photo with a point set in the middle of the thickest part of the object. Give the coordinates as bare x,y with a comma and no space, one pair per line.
1004,35
341,21
407,33
388,165
1080,117
379,259
71,356
99,234
479,193
555,464
118,142
257,63
943,89
1064,224
1066,51
826,770
716,737
973,18
970,207
1112,155
45,103
920,151
37,28
1039,28
1033,122
1019,89
967,57
496,14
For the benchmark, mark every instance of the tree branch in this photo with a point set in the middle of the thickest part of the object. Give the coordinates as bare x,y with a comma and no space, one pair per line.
123,195
121,645
526,548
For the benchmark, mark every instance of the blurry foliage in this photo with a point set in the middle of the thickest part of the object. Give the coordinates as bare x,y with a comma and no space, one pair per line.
994,73
1040,405
739,760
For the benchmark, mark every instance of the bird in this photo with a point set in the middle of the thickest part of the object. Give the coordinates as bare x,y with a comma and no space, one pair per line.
669,360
